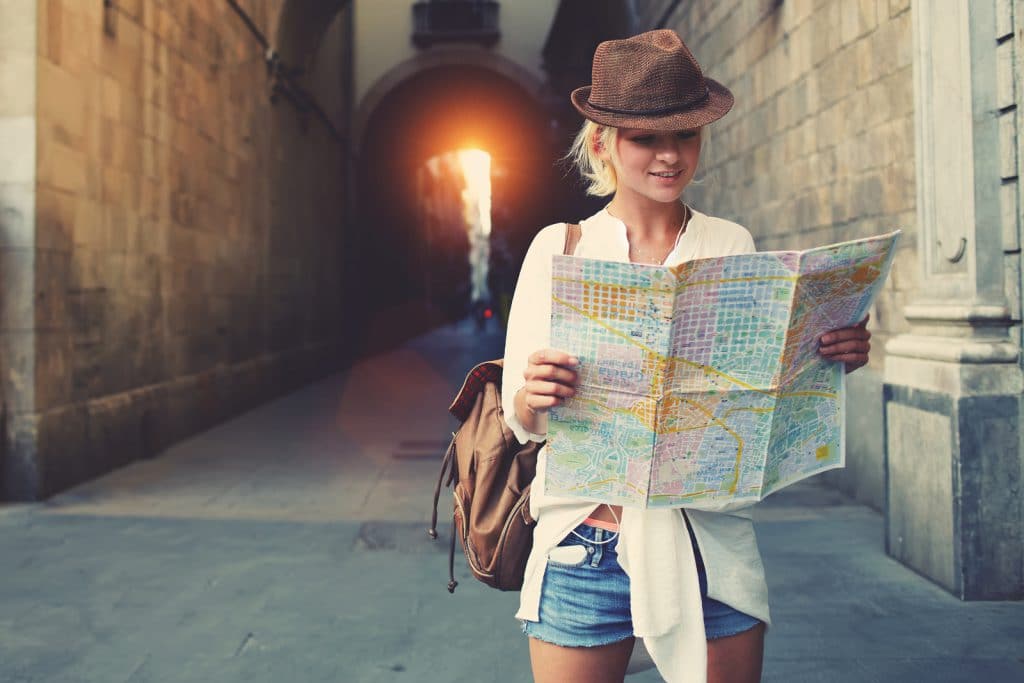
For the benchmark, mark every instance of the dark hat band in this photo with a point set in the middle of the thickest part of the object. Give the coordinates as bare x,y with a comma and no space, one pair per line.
651,112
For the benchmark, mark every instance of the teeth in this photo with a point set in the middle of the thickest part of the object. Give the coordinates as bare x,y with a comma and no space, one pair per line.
667,175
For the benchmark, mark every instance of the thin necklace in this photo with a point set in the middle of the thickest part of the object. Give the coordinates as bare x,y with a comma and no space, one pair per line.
682,227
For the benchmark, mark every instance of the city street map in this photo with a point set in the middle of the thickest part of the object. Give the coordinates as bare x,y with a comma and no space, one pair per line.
701,384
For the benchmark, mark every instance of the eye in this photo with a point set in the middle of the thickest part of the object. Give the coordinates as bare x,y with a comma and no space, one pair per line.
642,139
686,134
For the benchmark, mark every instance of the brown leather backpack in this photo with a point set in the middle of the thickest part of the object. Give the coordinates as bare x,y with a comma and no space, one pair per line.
490,473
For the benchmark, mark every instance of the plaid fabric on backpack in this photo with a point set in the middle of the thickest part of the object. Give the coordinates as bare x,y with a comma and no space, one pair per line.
490,474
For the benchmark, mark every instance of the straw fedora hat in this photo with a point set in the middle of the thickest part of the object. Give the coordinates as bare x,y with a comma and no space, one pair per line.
650,81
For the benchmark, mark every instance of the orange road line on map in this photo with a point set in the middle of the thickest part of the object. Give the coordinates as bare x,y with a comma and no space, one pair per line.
705,426
748,410
778,278
838,273
613,480
656,496
630,411
621,411
706,368
678,285
611,285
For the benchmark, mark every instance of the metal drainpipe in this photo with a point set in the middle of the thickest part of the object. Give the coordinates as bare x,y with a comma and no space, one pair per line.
282,82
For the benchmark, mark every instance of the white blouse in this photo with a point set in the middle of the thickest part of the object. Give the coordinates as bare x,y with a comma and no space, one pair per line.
653,547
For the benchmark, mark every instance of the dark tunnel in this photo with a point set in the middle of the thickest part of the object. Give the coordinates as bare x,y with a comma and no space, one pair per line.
441,110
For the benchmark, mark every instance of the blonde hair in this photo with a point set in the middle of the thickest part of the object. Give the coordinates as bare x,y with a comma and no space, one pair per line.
598,175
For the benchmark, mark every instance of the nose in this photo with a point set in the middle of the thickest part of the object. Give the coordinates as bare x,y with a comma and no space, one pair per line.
668,149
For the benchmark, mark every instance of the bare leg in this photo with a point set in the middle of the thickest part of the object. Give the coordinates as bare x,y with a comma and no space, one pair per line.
601,664
737,659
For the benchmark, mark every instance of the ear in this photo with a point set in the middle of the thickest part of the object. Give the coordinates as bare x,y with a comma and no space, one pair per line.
598,146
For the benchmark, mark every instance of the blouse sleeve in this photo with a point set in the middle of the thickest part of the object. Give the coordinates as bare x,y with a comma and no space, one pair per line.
529,321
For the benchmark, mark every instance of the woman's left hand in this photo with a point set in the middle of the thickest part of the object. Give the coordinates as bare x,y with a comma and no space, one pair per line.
848,344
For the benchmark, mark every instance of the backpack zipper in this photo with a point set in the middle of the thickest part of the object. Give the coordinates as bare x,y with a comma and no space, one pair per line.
474,562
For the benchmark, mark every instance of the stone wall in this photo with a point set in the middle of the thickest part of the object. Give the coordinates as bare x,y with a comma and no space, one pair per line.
1012,200
818,148
1009,40
17,227
188,233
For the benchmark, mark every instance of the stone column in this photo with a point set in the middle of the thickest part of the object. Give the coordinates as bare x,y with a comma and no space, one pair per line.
18,47
953,382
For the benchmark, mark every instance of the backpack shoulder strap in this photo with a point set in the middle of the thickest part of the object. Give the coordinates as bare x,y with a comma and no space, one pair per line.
572,238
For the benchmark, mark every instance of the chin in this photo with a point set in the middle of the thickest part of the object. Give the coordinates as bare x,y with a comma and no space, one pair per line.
667,198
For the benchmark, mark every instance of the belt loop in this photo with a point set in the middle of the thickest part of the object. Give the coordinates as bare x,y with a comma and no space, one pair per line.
598,547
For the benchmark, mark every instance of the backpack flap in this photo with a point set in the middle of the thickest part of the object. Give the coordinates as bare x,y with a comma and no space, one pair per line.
477,378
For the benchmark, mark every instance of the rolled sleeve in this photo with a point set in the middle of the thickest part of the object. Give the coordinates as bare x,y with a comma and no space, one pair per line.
529,321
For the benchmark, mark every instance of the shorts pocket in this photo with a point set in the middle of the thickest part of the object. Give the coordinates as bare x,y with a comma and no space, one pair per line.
568,555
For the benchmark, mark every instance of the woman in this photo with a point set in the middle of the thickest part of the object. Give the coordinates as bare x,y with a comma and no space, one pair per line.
690,584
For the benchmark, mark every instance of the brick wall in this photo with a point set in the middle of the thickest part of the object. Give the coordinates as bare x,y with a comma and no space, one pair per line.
188,232
819,148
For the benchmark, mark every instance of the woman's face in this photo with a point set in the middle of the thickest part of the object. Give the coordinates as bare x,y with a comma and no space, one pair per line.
652,165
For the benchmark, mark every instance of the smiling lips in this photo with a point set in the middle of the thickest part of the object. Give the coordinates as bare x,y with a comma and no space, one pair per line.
668,175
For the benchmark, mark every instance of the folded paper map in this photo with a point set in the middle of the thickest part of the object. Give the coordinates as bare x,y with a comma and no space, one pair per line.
701,384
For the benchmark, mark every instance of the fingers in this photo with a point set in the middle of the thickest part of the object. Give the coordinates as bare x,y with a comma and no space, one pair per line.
542,395
550,379
552,357
848,345
550,373
552,365
856,346
845,340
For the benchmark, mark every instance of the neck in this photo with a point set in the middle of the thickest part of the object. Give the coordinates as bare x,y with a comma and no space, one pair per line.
648,220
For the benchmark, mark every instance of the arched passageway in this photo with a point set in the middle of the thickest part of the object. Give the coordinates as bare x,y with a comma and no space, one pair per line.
436,110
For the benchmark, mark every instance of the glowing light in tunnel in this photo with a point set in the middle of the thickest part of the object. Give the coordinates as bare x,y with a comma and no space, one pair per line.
476,169
454,194
476,202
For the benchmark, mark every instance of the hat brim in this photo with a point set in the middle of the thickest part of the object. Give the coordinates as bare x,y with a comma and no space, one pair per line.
718,104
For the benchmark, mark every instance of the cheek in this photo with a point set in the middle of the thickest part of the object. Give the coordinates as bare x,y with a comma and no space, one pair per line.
630,157
692,154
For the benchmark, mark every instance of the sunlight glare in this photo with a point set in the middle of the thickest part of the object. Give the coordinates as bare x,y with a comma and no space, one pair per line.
476,169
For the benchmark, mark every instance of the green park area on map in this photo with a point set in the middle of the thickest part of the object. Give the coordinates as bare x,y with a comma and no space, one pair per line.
701,384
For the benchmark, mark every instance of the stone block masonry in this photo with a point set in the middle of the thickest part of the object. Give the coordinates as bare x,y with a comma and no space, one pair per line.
17,231
171,240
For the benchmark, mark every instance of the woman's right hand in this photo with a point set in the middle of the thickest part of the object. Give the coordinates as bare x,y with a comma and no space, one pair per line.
551,378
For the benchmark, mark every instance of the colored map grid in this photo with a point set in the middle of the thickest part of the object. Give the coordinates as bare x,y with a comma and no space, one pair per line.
701,384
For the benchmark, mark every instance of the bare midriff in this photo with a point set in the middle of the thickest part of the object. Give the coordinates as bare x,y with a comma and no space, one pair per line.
605,513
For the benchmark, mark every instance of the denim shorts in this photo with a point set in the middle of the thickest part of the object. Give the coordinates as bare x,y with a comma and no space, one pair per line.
584,602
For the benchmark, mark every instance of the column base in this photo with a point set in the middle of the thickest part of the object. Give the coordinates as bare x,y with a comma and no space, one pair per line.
953,464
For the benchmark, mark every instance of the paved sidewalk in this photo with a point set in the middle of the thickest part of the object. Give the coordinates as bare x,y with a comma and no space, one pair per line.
289,544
